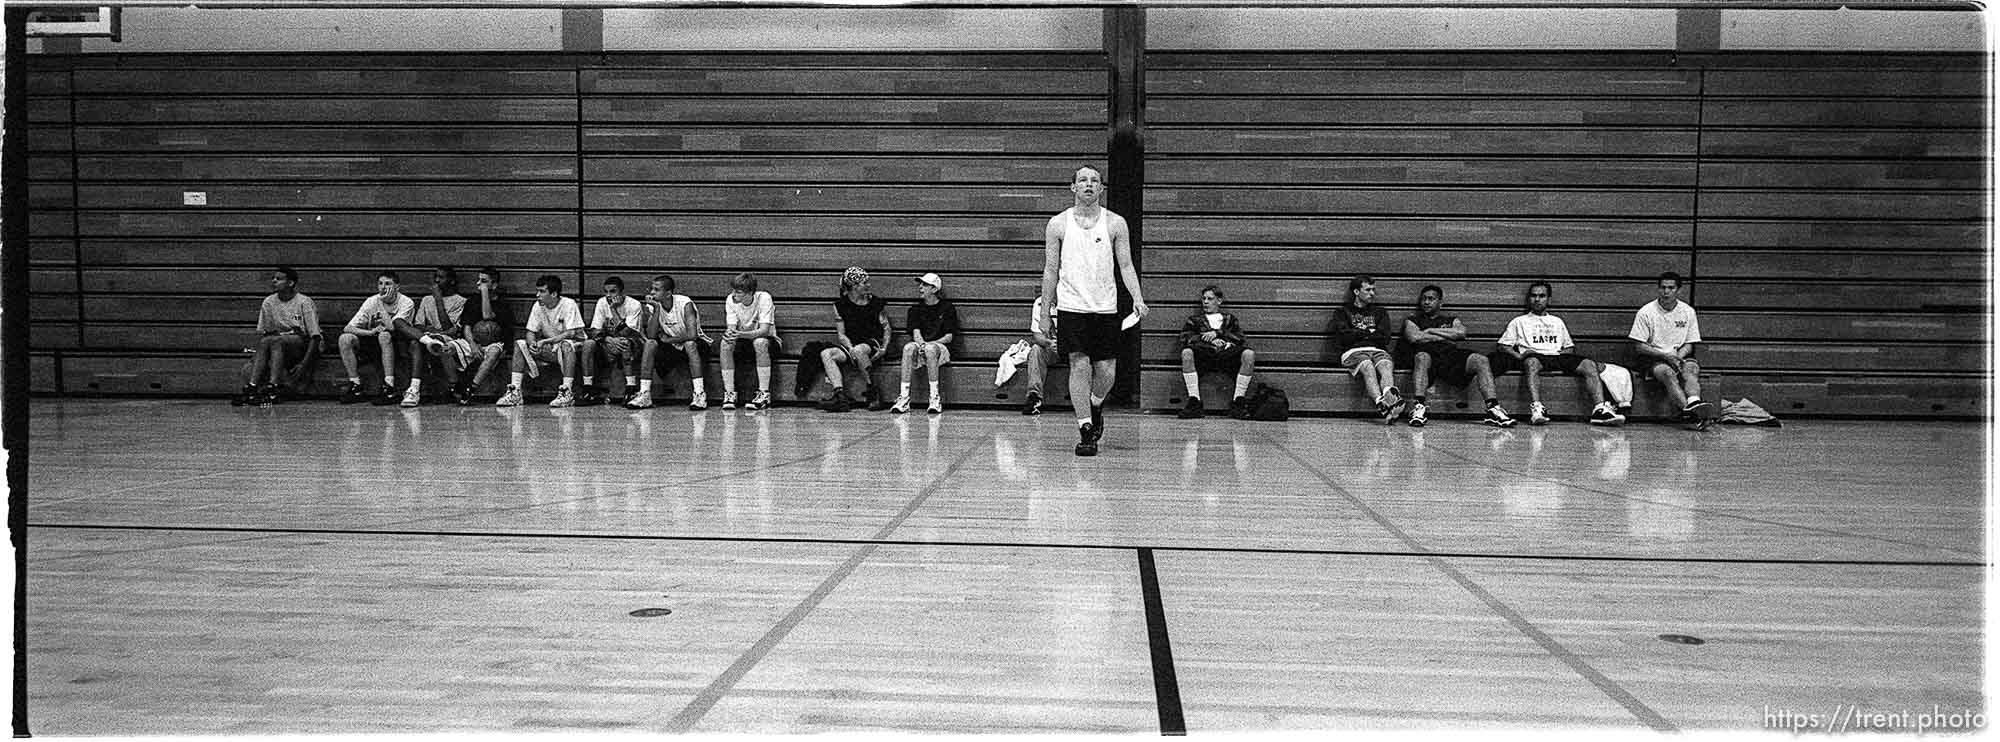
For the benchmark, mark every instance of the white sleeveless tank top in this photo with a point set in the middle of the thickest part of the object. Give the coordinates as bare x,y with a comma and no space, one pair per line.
1088,282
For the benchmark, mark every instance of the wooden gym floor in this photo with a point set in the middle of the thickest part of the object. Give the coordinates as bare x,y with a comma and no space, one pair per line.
200,569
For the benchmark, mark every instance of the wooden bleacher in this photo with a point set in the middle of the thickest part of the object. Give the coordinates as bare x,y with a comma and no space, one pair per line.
1829,207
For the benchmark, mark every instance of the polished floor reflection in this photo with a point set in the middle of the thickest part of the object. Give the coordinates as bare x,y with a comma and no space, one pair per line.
200,569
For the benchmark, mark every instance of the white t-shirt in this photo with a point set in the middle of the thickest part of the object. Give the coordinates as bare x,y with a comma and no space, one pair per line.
1665,330
544,322
376,314
1214,320
1541,334
760,311
673,323
1088,281
1038,319
626,312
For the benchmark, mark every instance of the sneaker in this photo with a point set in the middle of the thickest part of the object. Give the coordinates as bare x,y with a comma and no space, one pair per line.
1087,443
511,398
728,400
937,406
1605,415
1497,417
387,397
1390,404
631,394
351,394
246,397
902,404
266,396
462,393
1034,404
564,398
838,401
698,402
761,401
412,397
1239,408
1537,414
591,396
639,401
1096,432
1192,409
1417,415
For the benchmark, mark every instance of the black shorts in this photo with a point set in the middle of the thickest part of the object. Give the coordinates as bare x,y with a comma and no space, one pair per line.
1566,363
1207,358
667,356
1095,335
746,348
1448,364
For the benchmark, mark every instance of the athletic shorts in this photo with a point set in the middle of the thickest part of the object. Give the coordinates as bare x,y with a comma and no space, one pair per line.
1208,358
1642,368
1355,358
746,349
546,354
621,345
669,355
1448,364
943,350
1094,335
1566,363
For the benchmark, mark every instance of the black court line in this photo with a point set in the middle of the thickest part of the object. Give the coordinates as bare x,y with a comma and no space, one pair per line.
1166,687
1019,545
1579,665
689,715
1692,508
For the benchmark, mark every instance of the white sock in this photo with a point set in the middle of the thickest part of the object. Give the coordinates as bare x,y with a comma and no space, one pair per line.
388,381
355,380
1694,399
1096,401
1242,385
646,387
1193,382
701,386
1082,421
936,393
630,380
905,390
764,379
514,379
728,384
590,381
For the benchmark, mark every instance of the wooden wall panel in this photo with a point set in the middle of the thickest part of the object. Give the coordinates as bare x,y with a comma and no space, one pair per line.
917,140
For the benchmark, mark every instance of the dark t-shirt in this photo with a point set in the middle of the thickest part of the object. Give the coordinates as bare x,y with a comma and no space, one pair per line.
474,313
935,320
863,322
1437,320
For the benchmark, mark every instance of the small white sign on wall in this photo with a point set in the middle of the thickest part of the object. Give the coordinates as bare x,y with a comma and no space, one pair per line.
194,198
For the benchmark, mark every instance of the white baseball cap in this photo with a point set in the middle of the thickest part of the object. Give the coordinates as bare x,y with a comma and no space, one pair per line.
932,279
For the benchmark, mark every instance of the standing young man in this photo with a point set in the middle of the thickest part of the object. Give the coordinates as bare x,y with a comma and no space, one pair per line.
1663,336
375,323
1432,337
288,326
1086,251
1361,335
1537,339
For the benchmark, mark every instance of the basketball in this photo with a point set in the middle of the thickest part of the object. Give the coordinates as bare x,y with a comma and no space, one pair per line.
486,332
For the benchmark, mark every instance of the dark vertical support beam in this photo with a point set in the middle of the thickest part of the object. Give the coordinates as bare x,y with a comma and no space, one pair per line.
14,335
582,32
1697,31
1125,52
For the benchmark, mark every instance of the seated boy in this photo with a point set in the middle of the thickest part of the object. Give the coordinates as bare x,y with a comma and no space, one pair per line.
430,330
673,325
1539,339
749,316
1211,340
1361,336
288,343
933,323
1042,353
1664,333
861,333
617,331
1432,337
555,328
488,329
375,324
